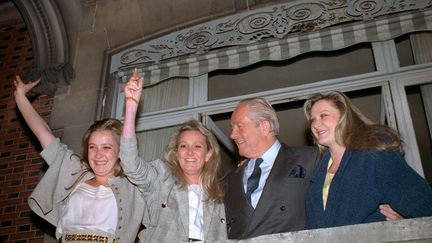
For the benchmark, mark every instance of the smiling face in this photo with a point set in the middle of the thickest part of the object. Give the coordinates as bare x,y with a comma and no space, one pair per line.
103,153
324,119
192,154
252,139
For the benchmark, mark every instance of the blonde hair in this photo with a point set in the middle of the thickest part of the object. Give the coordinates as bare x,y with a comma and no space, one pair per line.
354,130
209,174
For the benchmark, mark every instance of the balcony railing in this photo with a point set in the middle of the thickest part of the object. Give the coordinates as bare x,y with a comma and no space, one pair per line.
408,230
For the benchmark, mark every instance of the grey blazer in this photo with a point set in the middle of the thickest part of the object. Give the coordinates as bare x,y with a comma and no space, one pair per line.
167,211
52,192
281,207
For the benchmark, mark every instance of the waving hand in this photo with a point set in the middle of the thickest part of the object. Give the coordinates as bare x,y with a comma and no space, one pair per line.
132,92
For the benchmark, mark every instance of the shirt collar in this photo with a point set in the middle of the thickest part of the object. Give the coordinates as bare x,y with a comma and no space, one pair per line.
269,156
271,153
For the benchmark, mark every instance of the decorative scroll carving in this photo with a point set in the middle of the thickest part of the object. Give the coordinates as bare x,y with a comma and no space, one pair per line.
366,8
51,77
251,27
50,46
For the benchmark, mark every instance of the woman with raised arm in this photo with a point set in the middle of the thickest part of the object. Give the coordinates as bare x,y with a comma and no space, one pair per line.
362,169
184,197
87,198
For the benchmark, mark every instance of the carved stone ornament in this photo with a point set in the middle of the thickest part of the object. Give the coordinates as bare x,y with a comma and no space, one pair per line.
253,26
49,42
51,78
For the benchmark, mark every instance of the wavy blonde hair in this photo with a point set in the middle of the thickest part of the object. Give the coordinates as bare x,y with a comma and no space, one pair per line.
209,175
354,130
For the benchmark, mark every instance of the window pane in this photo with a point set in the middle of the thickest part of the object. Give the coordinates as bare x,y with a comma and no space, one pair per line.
171,93
152,143
403,49
414,48
307,68
417,101
368,101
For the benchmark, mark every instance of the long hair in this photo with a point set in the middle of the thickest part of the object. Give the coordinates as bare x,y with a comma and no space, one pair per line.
261,110
209,175
115,127
354,130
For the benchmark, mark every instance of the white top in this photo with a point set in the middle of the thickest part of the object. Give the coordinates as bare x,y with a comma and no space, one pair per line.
268,160
91,209
196,217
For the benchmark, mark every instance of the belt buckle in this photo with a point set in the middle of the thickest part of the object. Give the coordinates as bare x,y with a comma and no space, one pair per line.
87,237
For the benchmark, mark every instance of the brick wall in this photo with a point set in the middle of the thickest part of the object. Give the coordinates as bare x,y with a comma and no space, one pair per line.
20,163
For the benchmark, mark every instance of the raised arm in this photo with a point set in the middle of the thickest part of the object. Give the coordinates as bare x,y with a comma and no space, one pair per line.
143,174
132,92
36,123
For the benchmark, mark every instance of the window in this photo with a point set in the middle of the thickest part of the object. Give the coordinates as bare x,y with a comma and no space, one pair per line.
419,100
307,68
383,72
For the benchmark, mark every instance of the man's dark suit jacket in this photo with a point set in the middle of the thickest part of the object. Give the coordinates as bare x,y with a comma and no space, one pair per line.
281,207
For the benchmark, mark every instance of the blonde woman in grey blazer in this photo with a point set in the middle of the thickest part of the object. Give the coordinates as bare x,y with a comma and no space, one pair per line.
183,195
88,198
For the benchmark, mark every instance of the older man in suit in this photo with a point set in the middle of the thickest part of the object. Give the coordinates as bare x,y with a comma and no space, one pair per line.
265,194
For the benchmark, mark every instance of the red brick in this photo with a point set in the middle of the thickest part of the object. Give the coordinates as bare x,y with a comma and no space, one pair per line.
23,235
7,230
15,142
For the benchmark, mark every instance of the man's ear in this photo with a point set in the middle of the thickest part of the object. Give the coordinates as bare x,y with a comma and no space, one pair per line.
266,126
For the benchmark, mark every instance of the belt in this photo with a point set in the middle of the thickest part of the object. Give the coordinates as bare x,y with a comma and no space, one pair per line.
87,237
192,240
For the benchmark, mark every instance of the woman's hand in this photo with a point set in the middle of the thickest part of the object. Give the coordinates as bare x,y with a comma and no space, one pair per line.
389,213
133,88
36,123
132,92
22,88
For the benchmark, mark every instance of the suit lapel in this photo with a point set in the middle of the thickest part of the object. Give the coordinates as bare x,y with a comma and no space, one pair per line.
284,163
239,189
208,208
333,194
242,207
317,205
182,198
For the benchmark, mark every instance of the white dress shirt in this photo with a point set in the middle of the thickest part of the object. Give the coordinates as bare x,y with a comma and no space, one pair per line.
196,215
268,160
91,209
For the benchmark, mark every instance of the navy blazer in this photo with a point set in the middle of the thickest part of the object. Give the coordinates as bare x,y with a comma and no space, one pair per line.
281,205
364,180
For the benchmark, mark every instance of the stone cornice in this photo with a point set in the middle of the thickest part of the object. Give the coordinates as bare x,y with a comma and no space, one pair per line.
250,27
50,44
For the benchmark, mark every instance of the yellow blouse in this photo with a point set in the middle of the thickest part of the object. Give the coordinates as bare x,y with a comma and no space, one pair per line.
327,183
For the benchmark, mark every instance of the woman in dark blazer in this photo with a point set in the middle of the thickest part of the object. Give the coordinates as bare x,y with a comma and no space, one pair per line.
362,168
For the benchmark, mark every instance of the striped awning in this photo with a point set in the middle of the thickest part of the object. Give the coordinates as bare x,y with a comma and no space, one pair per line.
327,39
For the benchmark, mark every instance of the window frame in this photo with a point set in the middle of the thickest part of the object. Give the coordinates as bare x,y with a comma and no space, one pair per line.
388,75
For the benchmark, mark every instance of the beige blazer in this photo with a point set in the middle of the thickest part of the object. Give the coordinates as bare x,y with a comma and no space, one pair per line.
167,210
52,192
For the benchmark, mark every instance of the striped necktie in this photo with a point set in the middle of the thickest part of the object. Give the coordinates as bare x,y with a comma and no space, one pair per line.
253,181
